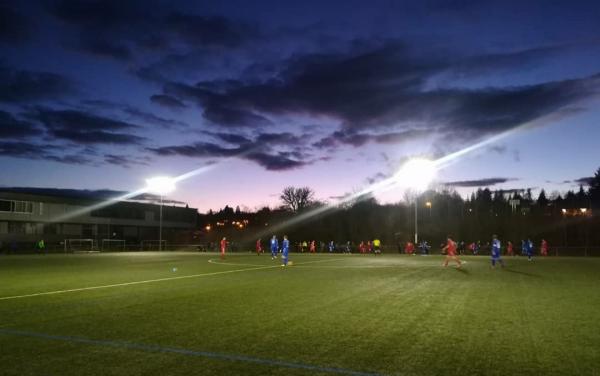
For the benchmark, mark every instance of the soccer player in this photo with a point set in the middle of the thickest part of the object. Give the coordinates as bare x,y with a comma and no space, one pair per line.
331,246
529,249
304,246
409,249
223,247
544,248
509,249
424,247
258,247
377,246
369,247
274,247
312,247
361,247
348,248
476,248
285,249
495,252
450,249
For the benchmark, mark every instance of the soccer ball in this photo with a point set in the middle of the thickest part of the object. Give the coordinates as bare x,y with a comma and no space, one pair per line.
290,263
174,269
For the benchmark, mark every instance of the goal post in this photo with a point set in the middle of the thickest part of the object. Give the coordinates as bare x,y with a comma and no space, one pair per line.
79,245
153,245
112,245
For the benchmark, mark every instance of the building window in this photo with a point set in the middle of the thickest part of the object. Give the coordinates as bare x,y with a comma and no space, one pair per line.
23,207
5,206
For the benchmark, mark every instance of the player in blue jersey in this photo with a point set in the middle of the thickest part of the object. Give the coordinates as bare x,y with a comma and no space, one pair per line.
529,249
495,251
331,246
285,249
274,247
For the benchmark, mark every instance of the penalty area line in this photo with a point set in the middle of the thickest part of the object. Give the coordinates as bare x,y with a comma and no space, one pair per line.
181,351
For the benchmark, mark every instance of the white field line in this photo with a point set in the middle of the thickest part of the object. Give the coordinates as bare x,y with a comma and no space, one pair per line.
146,281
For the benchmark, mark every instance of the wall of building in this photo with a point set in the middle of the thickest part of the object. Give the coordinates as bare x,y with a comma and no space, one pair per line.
25,219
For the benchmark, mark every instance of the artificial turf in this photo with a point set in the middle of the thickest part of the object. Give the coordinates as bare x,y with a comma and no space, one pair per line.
326,314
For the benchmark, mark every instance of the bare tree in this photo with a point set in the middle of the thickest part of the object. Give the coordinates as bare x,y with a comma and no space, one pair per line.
296,199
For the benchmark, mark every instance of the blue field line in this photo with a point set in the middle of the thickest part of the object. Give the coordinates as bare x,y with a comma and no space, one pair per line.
174,350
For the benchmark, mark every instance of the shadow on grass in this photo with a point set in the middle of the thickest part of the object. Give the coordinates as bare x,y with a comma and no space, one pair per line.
522,273
463,271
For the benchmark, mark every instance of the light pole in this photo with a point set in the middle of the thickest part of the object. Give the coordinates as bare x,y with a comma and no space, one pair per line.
428,204
416,175
161,186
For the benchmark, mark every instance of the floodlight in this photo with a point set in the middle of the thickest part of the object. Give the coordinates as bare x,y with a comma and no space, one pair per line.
416,174
160,185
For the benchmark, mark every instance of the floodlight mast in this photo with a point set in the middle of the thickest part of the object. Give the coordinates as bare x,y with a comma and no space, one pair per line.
416,174
160,185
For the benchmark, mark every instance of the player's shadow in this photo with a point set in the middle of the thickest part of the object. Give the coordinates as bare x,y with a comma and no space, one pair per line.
522,273
463,271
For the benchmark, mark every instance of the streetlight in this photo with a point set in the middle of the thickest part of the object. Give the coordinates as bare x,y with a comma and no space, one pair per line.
160,185
428,204
416,174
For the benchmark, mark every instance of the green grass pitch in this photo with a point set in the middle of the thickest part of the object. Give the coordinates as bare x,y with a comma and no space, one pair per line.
179,314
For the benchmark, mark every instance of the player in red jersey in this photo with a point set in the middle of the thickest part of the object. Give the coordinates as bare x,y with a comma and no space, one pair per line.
409,249
509,249
312,248
450,249
223,247
361,247
258,247
544,248
369,247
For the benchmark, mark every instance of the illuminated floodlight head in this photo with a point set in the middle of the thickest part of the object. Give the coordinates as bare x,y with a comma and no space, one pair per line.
160,185
416,174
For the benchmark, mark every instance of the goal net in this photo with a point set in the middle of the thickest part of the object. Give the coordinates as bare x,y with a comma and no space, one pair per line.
153,245
113,245
79,245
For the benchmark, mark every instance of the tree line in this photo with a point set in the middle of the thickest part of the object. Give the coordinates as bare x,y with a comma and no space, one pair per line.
563,220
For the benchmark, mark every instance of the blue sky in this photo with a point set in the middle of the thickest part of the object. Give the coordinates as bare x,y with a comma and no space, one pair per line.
331,95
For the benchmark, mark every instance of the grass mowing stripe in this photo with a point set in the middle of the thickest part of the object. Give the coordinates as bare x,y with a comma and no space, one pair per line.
180,351
146,281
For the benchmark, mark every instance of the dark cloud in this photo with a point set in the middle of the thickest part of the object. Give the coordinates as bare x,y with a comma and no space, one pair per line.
231,138
134,113
11,127
479,182
35,151
378,89
119,29
86,128
26,86
125,161
375,178
276,162
234,117
106,48
14,27
245,148
207,31
20,149
587,180
356,139
168,101
198,149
